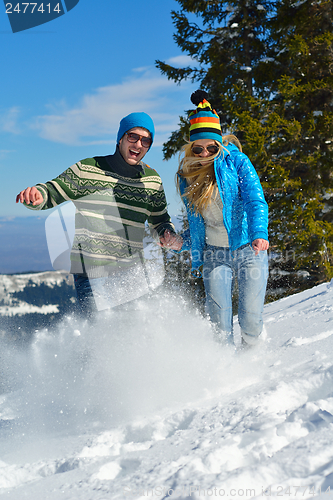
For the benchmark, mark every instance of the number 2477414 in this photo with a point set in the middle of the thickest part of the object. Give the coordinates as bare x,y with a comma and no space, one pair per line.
30,8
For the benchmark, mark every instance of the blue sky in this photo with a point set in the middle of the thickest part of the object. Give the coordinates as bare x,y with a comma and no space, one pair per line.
65,86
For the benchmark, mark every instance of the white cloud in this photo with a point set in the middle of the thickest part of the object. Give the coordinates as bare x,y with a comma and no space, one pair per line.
5,152
180,61
141,69
9,120
95,119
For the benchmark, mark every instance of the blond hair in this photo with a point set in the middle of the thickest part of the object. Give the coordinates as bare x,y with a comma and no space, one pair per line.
200,179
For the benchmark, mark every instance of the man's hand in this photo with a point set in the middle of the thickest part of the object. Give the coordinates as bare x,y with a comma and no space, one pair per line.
259,245
171,240
30,195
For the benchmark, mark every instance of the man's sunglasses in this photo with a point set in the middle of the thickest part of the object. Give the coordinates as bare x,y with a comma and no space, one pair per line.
212,149
145,141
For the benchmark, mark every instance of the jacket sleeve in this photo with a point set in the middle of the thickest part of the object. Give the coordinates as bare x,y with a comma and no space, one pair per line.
252,194
187,243
62,188
159,219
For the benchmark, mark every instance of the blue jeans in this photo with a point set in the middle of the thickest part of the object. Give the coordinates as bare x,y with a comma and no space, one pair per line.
221,267
92,295
98,294
84,295
124,285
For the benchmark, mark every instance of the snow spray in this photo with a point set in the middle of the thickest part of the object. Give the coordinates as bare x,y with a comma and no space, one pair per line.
135,360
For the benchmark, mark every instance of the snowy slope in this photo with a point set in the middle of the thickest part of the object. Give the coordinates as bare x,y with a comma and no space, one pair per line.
33,301
12,284
145,404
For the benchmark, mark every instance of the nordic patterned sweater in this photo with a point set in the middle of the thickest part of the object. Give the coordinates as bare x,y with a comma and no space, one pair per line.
111,211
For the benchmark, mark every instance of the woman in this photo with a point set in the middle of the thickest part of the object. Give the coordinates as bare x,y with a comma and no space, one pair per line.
228,219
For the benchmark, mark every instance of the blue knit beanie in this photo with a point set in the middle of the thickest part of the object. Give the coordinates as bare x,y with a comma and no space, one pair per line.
134,120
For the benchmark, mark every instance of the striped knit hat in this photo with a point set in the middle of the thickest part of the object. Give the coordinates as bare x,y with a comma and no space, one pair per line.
204,121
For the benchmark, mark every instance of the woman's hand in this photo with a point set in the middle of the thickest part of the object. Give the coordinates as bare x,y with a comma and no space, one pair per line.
259,245
171,240
30,195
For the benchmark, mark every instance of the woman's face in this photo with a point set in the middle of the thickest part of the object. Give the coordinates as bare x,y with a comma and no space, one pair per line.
205,153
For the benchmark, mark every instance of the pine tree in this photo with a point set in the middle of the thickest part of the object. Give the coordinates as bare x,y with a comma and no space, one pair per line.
300,151
269,76
230,53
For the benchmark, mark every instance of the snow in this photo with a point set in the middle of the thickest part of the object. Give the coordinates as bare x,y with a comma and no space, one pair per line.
144,403
11,284
23,308
267,59
17,282
298,3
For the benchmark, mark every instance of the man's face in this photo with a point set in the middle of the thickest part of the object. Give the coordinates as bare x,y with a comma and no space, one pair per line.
133,152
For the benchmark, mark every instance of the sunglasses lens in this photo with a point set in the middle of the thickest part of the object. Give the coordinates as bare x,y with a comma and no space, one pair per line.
197,150
145,141
213,149
133,137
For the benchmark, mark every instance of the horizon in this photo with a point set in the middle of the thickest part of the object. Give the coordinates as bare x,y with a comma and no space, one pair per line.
24,247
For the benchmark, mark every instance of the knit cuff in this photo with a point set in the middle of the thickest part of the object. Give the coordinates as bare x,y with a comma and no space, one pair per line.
41,205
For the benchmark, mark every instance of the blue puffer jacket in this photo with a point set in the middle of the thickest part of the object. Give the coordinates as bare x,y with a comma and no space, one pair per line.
245,211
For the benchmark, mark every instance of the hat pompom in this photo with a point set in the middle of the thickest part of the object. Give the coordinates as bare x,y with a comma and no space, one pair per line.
198,96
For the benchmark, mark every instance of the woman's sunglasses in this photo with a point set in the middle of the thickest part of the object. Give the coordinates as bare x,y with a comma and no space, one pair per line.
145,141
212,149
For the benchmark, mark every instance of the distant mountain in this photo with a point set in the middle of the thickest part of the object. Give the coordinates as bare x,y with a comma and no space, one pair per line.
23,246
32,301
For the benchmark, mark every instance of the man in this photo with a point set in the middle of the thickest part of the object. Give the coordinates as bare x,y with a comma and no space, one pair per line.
114,196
